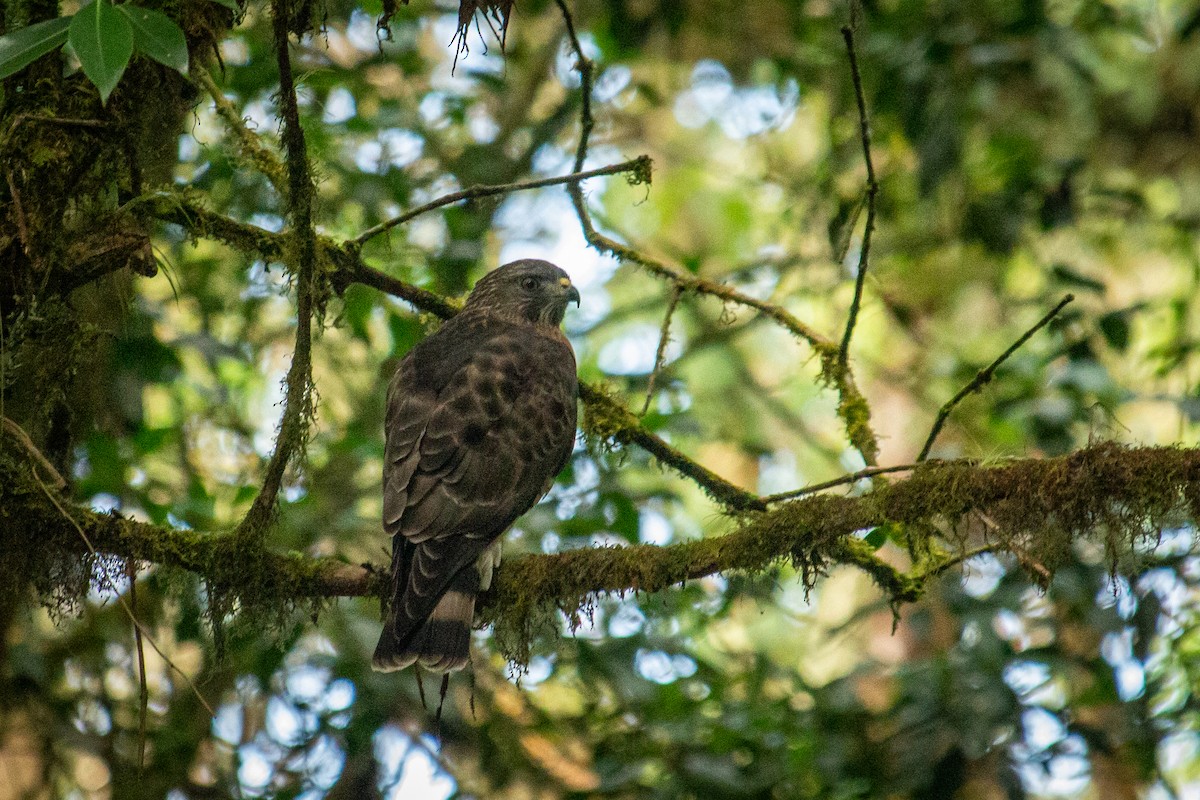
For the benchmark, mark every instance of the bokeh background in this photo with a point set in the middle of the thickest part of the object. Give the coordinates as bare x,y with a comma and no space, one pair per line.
1024,150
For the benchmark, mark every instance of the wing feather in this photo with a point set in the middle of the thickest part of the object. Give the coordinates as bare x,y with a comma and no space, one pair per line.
473,440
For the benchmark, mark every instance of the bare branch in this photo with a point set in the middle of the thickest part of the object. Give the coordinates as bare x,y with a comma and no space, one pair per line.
985,375
17,432
637,166
864,253
660,354
853,477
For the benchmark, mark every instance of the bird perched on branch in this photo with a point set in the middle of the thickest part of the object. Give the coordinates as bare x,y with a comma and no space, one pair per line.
480,419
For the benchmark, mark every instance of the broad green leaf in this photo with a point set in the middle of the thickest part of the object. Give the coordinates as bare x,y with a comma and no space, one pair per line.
156,35
23,47
230,4
103,40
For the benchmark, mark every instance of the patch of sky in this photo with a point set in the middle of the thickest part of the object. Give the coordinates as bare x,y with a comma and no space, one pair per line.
339,107
482,57
362,31
589,626
306,683
759,282
663,668
1116,593
1024,676
740,112
632,353
539,669
339,695
227,722
235,52
259,114
286,724
408,771
564,62
254,769
981,575
777,472
189,148
1042,729
104,503
626,620
432,109
610,83
654,527
268,222
481,125
392,147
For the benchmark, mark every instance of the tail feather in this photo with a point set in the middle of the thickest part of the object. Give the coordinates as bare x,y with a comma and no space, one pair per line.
442,642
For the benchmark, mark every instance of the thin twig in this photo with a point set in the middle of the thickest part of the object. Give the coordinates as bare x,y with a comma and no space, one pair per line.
864,253
660,354
18,433
853,477
144,691
635,166
297,404
70,121
22,228
985,375
120,599
622,427
958,558
586,72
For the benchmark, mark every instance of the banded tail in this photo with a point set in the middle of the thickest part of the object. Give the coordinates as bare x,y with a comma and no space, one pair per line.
442,642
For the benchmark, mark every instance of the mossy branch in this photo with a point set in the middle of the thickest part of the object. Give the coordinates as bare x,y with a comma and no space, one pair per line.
298,397
835,370
1037,507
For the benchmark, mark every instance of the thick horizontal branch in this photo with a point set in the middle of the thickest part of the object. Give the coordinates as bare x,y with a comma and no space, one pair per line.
1038,507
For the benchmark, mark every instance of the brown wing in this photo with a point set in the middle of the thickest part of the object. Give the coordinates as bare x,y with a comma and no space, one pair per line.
480,418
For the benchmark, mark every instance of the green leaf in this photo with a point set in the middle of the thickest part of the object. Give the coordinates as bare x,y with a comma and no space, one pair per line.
103,40
230,4
877,537
157,36
1115,328
22,48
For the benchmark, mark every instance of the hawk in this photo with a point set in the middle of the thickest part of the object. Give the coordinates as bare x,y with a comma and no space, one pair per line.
480,419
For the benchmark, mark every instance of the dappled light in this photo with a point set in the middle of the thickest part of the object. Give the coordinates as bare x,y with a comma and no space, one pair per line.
886,480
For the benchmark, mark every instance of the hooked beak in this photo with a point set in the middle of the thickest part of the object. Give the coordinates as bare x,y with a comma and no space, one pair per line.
572,293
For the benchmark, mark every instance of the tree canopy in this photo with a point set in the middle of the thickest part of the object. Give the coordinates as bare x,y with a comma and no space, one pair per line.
886,484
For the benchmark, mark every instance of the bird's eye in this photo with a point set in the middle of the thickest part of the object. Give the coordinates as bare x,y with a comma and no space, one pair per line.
529,284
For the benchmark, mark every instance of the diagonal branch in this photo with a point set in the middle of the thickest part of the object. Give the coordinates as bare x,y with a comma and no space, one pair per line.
864,254
610,420
637,167
262,157
985,375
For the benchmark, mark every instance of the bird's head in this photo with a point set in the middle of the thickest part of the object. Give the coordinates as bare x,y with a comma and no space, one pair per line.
529,290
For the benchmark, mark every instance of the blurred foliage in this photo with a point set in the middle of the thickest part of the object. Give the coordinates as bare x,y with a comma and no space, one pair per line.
1024,150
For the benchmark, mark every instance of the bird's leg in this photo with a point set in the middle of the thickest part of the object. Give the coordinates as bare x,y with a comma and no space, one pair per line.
420,687
442,700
